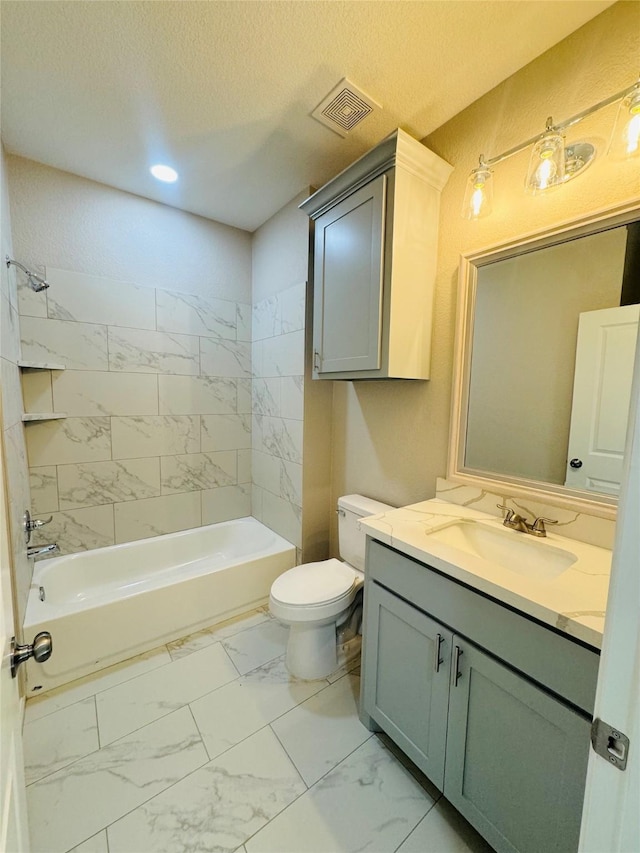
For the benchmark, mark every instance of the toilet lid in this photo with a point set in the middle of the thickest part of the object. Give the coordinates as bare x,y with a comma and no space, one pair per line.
314,583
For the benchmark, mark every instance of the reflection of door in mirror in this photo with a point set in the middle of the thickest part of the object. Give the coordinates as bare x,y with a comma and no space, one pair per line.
523,350
601,395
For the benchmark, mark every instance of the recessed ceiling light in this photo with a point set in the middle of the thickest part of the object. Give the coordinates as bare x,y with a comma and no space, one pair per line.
164,173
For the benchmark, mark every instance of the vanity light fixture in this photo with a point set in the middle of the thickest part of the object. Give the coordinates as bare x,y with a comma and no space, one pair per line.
625,139
478,195
164,173
546,166
553,163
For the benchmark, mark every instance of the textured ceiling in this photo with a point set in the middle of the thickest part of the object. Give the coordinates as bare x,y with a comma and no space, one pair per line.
223,90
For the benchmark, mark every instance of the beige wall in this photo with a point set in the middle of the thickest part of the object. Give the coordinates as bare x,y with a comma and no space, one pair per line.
524,347
71,223
390,439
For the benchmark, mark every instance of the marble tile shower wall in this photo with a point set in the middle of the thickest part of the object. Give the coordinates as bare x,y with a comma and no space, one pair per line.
15,455
157,393
278,375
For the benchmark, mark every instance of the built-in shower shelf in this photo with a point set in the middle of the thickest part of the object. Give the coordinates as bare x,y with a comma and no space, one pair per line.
43,416
40,365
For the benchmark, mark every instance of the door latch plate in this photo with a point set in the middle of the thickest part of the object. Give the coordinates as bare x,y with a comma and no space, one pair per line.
610,743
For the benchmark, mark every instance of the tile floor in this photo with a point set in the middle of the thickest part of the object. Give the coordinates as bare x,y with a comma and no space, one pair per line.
207,744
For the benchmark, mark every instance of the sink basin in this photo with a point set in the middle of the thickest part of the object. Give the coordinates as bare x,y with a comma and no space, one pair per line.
517,552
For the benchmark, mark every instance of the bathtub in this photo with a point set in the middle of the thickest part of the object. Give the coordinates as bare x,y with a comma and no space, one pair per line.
107,605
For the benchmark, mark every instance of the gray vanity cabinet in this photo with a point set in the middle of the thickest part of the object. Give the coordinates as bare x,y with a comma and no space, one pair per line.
499,721
516,757
408,691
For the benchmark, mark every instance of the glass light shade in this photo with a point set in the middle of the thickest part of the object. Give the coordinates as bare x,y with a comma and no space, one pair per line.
546,166
478,195
625,138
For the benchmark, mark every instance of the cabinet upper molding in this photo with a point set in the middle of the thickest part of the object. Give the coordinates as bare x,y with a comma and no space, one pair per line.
399,150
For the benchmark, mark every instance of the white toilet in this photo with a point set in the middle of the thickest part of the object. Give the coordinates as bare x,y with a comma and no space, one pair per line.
319,602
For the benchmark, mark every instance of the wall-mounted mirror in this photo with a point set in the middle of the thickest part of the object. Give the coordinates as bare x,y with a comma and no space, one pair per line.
546,340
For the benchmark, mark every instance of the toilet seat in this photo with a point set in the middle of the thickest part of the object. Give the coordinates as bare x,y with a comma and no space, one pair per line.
315,584
315,593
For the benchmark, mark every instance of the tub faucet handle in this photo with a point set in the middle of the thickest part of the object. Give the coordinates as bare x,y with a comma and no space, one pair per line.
35,523
30,524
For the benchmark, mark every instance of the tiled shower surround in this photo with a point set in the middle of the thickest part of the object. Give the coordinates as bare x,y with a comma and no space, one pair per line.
278,368
157,393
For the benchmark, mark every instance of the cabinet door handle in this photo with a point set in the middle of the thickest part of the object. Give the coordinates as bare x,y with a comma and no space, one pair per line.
455,672
438,645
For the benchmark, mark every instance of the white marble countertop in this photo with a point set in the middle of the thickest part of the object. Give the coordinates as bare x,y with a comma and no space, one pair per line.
574,601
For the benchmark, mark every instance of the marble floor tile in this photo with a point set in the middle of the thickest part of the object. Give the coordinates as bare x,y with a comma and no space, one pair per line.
324,730
444,829
217,808
232,713
368,802
75,803
127,707
82,688
95,844
208,636
352,666
58,739
255,646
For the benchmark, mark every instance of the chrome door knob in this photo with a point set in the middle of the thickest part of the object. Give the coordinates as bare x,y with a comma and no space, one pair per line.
40,650
576,463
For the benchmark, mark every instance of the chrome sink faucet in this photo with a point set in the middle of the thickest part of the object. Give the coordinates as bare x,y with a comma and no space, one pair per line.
518,522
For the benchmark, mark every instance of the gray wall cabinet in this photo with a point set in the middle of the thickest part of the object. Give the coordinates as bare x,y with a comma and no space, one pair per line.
508,750
375,251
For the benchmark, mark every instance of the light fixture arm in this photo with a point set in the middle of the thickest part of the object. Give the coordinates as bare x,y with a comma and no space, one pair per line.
563,125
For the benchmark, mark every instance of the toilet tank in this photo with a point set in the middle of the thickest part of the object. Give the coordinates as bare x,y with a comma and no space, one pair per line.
352,540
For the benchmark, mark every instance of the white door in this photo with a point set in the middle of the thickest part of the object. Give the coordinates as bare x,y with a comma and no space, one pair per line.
601,393
610,818
13,818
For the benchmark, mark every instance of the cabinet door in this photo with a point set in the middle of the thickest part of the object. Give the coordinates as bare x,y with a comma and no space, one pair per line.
349,242
516,757
406,686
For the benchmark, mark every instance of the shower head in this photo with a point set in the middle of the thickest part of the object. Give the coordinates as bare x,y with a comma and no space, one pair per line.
36,282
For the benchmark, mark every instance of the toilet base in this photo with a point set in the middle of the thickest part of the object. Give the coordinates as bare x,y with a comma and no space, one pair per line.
312,652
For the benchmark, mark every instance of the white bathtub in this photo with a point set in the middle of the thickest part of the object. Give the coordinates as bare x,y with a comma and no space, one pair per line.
110,604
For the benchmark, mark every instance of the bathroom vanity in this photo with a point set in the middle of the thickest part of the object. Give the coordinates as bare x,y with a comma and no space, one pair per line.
480,660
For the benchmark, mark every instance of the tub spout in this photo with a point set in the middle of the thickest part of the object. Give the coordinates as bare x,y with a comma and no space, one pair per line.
41,550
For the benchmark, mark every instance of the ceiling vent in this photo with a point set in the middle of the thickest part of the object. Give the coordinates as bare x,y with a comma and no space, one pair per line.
344,108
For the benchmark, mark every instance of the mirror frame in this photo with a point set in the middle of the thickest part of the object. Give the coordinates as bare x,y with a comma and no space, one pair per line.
555,494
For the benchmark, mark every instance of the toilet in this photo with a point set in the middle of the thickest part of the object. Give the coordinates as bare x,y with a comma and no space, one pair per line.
321,603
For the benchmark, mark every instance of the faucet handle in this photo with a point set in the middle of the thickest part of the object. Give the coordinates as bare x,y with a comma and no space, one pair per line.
538,525
35,523
509,512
